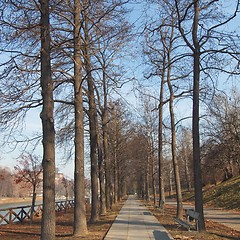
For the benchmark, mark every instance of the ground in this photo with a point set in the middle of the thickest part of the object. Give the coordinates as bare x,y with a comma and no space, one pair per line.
98,230
214,231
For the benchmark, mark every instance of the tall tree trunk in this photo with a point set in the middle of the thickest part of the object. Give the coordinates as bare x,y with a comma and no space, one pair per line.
92,113
80,223
48,217
173,130
119,195
34,194
147,193
160,137
152,164
115,174
196,135
93,150
196,146
174,155
103,208
106,158
170,180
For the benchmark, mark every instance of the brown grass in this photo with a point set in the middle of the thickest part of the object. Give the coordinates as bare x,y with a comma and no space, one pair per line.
64,223
97,231
214,231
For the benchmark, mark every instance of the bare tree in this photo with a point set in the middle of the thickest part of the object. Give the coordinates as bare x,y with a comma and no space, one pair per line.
48,163
30,60
112,38
29,171
222,140
173,128
205,40
20,69
149,125
92,114
80,224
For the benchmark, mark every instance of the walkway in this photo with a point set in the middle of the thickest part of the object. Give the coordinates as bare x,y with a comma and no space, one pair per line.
224,217
135,222
227,218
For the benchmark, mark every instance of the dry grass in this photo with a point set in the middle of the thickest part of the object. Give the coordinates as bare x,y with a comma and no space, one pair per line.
64,228
98,230
214,231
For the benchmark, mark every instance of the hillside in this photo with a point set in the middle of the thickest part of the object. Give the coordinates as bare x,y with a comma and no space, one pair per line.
224,195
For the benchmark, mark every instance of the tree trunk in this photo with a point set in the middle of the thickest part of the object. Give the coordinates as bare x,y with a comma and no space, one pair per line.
34,194
173,131
115,175
147,194
93,150
80,223
195,129
160,137
103,208
105,141
119,195
170,180
174,155
153,178
48,217
107,160
92,113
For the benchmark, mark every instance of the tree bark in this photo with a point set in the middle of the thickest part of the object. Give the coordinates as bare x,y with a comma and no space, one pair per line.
33,203
92,113
48,217
160,136
152,164
196,135
106,157
80,223
174,154
103,208
170,180
116,175
147,193
173,129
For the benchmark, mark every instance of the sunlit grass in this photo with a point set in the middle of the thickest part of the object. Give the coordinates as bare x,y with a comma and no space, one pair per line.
224,195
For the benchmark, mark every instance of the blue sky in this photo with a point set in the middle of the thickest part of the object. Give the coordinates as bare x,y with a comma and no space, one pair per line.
33,122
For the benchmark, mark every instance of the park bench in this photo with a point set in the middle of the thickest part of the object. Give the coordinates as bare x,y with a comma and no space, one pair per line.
191,221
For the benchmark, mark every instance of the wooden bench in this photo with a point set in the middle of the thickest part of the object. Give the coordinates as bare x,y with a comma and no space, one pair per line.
191,221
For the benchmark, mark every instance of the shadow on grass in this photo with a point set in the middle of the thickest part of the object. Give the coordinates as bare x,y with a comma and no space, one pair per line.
20,233
64,235
225,236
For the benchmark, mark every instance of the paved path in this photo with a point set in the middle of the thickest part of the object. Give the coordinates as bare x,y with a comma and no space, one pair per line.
224,217
135,222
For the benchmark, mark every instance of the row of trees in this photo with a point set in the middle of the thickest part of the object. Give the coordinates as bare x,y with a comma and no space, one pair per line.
66,57
189,46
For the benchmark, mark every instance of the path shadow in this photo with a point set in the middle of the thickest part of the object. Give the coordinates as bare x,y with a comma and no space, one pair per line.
227,237
160,235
